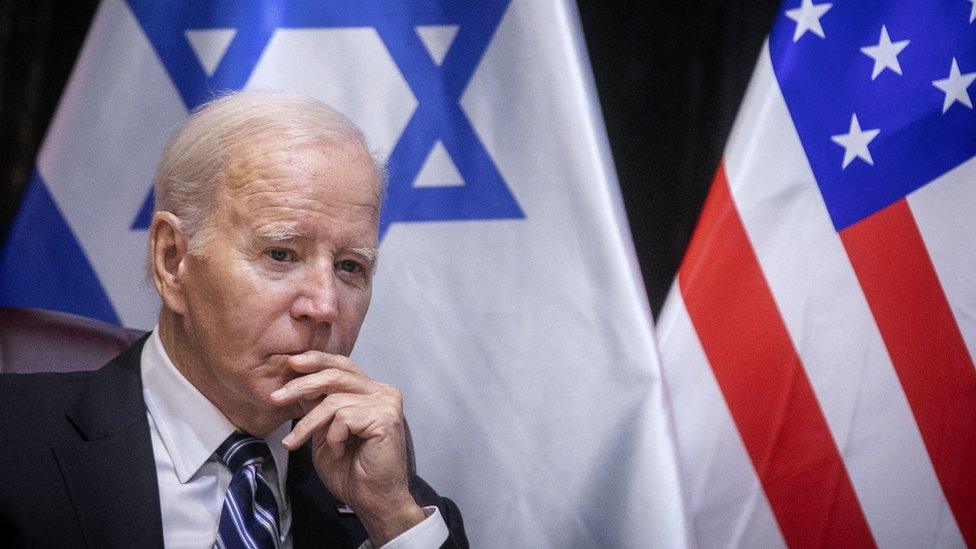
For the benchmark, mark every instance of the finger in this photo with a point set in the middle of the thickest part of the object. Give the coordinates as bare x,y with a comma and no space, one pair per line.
337,435
314,361
318,417
376,417
308,403
318,384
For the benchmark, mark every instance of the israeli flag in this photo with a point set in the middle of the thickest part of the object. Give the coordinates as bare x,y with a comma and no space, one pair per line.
507,306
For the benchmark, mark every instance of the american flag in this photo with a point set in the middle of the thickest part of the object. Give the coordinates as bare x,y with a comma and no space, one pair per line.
818,342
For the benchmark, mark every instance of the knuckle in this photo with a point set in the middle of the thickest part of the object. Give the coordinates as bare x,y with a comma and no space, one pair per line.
332,403
391,415
315,355
304,361
331,376
388,390
308,384
389,404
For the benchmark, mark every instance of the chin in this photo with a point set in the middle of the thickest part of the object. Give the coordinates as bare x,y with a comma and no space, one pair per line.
273,410
266,419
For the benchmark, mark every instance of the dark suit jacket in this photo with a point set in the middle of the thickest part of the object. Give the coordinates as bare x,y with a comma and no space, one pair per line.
77,468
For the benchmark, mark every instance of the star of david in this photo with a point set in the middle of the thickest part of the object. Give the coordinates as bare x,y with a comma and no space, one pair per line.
437,87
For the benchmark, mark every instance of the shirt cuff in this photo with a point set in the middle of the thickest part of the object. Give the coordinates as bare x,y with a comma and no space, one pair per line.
429,533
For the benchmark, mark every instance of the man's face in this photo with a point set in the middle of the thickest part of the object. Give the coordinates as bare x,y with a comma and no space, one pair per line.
287,269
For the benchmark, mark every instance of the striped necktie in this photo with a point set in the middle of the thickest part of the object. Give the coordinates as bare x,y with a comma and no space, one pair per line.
249,519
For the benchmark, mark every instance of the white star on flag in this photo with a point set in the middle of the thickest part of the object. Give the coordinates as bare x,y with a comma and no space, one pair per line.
885,54
972,14
855,142
955,86
807,18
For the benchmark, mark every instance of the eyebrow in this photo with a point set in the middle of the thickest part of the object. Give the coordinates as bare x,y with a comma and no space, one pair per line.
368,252
279,232
285,233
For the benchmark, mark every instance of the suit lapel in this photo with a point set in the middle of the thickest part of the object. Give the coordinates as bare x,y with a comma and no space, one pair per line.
315,519
111,475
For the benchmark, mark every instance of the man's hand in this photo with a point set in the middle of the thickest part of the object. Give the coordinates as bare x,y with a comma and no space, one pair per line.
357,435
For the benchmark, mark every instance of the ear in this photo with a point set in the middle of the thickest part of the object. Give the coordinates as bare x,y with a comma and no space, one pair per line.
168,257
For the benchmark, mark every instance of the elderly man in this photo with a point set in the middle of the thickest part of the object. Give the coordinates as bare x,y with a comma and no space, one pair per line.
262,250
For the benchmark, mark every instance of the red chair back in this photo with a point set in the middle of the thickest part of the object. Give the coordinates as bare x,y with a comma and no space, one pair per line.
35,340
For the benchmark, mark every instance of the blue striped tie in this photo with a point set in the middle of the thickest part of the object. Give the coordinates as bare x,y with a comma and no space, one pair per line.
249,519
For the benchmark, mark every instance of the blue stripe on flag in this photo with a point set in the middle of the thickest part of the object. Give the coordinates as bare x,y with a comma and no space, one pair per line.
43,266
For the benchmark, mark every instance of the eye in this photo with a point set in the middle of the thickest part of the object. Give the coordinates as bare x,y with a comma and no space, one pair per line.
280,255
349,266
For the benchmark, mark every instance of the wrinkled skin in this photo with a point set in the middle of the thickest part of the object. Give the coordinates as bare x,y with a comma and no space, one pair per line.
262,316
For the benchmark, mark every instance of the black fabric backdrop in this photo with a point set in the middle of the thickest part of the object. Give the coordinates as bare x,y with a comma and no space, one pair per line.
670,76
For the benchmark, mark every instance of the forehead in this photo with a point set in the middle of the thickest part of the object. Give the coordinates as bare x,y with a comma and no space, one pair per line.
263,184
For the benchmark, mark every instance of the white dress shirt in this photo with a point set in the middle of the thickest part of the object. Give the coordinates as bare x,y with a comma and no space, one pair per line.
186,430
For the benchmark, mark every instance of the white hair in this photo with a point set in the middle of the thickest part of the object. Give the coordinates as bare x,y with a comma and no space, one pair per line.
197,156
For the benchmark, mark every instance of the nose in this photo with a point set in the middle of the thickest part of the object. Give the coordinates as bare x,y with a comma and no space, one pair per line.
316,298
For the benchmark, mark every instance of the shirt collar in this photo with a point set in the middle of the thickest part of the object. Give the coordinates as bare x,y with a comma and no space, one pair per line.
190,426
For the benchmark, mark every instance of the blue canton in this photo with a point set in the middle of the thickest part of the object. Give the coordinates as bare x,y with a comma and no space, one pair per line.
827,82
437,88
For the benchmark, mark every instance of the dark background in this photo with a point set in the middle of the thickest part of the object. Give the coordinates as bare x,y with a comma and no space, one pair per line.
670,75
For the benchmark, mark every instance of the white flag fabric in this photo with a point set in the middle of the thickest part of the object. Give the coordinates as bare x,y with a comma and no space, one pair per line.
818,343
507,304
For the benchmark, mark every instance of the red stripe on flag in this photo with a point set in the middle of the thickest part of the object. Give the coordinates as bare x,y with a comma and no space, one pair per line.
764,383
925,345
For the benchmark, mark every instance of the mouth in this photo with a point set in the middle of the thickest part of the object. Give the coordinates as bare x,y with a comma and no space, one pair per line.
289,352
